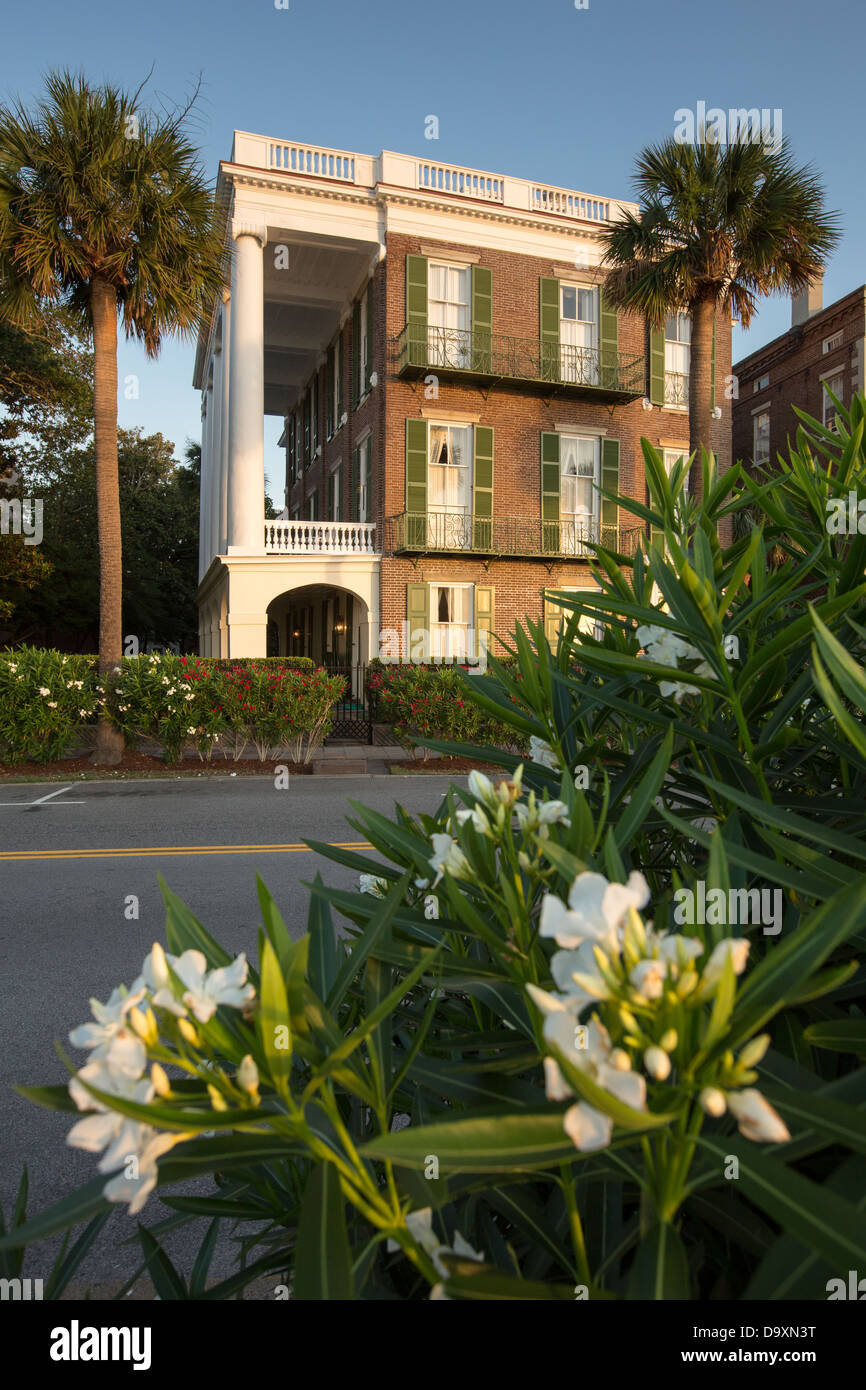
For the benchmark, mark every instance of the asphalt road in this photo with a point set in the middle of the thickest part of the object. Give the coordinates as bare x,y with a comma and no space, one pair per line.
68,865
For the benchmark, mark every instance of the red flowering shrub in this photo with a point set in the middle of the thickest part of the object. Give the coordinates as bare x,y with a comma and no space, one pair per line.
432,702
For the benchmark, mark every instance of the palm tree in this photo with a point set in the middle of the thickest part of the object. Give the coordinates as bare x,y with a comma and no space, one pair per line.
717,226
106,210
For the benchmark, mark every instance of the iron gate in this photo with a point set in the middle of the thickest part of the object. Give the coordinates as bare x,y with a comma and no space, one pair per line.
352,720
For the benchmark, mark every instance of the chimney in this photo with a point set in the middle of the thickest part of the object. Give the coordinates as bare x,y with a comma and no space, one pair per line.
809,301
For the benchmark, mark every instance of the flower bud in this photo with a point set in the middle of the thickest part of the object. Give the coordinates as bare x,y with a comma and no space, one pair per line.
657,1063
754,1051
161,1083
686,983
248,1076
217,1099
188,1032
669,1040
524,861
713,1101
619,1059
143,1022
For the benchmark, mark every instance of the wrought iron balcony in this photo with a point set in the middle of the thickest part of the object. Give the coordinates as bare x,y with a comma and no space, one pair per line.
456,533
458,353
677,389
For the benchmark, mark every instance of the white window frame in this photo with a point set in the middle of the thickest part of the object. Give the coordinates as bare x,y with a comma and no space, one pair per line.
833,342
761,383
337,474
449,346
338,368
454,530
763,458
574,366
309,505
466,649
679,387
670,456
363,347
827,406
574,530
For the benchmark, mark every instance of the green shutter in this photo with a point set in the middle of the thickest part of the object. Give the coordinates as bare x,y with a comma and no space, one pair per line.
608,320
368,476
355,510
548,328
610,480
416,483
485,595
552,620
369,370
417,609
329,404
482,489
482,318
713,370
356,354
550,493
416,310
657,366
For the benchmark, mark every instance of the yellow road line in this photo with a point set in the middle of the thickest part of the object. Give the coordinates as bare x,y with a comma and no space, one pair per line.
150,851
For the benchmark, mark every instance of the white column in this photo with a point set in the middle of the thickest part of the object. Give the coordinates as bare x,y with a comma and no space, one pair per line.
216,446
246,471
224,436
204,558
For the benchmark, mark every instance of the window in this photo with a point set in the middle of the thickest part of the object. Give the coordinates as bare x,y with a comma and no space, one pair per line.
579,498
556,618
830,344
761,383
449,487
364,479
312,507
578,334
337,401
307,455
334,498
449,323
678,338
314,413
364,344
671,457
452,637
761,437
835,384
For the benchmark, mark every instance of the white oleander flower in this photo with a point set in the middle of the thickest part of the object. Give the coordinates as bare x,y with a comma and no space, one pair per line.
756,1118
110,1020
478,818
481,787
648,978
370,883
541,752
596,910
52,704
207,989
657,1063
420,1225
431,907
565,965
677,689
737,948
150,1145
43,690
448,857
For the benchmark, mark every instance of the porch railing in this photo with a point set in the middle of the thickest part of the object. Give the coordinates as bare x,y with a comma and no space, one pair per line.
320,538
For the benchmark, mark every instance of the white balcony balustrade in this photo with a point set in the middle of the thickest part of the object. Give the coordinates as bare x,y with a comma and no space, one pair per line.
320,538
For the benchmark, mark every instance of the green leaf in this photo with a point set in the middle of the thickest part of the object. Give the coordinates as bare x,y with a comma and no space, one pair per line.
274,925
818,1218
621,1114
468,1279
166,1279
325,951
840,1035
198,1278
79,1206
660,1269
275,1025
323,1263
485,1143
184,932
835,1122
367,942
644,795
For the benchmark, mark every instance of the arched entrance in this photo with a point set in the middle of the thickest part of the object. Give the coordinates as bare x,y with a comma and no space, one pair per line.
331,626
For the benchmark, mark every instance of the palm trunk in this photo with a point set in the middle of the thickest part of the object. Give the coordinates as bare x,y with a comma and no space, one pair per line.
703,315
103,302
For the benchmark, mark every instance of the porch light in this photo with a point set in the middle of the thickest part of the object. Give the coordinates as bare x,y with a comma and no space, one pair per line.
339,623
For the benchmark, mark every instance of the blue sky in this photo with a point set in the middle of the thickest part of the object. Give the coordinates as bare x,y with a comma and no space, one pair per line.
533,88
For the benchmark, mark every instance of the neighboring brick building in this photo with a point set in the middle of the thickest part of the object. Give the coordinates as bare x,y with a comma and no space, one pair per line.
823,348
454,388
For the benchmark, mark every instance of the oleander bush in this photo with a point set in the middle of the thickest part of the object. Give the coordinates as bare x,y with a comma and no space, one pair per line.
279,706
429,702
555,1047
